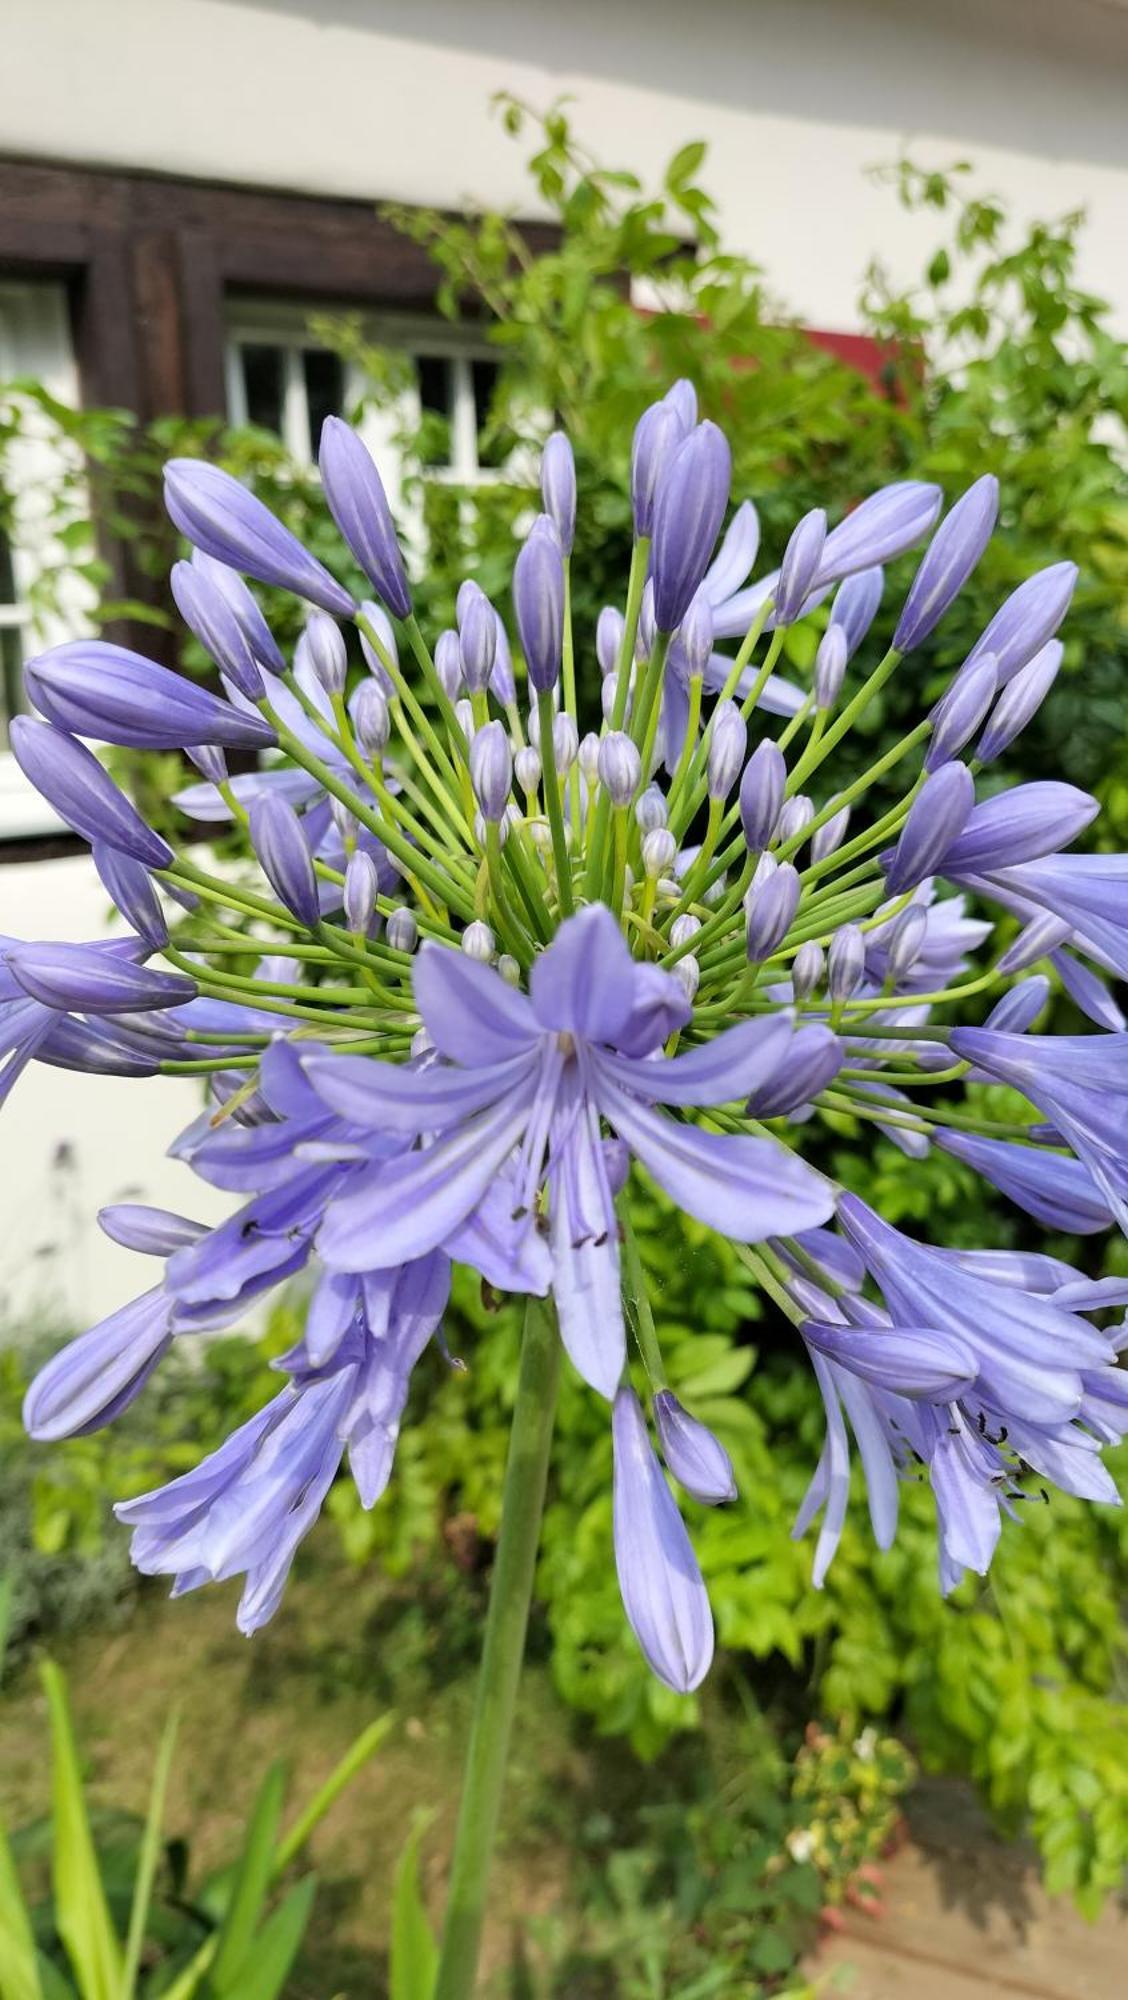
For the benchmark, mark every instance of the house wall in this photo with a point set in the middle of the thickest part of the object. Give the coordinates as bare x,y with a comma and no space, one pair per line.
389,98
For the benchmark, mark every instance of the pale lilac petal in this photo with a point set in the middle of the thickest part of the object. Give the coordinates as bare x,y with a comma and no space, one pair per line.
469,1012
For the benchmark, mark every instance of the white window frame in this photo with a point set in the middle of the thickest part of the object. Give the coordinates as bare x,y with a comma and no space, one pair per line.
35,341
280,324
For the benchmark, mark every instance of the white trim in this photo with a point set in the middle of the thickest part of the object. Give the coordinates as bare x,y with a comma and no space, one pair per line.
35,341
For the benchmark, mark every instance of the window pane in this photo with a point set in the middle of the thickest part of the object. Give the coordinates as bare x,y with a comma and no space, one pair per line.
492,452
11,678
325,389
435,395
7,580
263,385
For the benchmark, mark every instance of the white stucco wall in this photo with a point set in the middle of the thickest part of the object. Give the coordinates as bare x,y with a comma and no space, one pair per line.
69,1143
797,97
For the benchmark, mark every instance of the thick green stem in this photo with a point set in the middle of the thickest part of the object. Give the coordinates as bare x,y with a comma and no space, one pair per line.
526,1473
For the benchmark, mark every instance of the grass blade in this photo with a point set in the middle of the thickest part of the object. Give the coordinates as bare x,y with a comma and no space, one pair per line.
415,1955
355,1757
147,1858
82,1915
253,1876
19,1979
277,1944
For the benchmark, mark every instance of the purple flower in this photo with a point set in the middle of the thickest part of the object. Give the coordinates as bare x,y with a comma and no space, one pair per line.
207,610
952,554
761,794
71,779
935,819
129,885
92,689
879,529
688,513
1020,701
538,601
1030,616
856,604
771,908
1056,1190
658,434
359,505
1078,1082
222,518
283,852
91,1380
532,1077
1019,825
959,713
558,488
799,566
491,770
663,1593
94,979
696,1458
252,624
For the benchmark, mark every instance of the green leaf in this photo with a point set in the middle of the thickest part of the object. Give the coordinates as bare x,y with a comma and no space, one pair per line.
19,1979
147,1858
277,1944
355,1757
415,1955
251,1882
7,1589
685,164
82,1916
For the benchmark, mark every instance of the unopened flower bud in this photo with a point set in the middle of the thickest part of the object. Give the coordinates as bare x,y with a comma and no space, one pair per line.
478,942
856,604
650,809
1020,701
370,718
210,762
659,849
608,695
344,820
948,561
491,769
1019,1009
326,651
401,930
688,512
795,817
357,501
477,639
359,893
509,969
771,910
830,835
279,841
696,634
807,969
761,793
375,615
814,1058
565,742
1030,616
527,767
658,434
830,666
448,664
647,629
960,711
906,937
683,928
697,1459
538,600
845,963
620,767
687,972
728,742
936,816
588,757
558,488
799,567
609,629
464,716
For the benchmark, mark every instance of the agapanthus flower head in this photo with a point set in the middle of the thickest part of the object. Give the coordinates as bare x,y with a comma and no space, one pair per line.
517,962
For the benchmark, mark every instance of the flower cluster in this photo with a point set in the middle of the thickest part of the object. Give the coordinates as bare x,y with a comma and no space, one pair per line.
490,968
